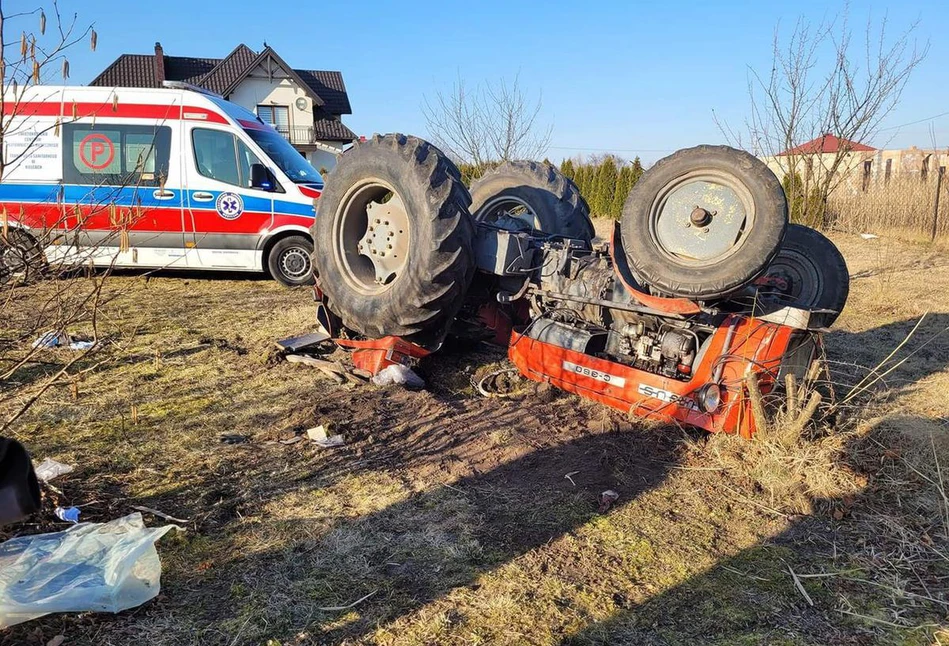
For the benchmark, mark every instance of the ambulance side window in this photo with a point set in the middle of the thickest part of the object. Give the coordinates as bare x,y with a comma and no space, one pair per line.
222,156
115,155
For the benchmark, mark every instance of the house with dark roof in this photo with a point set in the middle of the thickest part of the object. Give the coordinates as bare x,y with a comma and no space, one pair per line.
305,106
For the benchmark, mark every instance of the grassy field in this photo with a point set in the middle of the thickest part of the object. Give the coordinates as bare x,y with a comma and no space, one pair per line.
452,517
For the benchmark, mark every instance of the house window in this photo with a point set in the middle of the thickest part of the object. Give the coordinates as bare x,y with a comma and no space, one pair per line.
888,172
277,116
112,155
867,166
222,156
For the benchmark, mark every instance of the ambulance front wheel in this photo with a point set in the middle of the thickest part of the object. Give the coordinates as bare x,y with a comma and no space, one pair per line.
21,256
289,261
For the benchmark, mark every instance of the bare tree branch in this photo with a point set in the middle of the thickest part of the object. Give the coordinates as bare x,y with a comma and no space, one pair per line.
822,82
495,122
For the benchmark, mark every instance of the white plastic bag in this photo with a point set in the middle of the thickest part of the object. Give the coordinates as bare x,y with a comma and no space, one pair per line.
398,375
102,567
50,468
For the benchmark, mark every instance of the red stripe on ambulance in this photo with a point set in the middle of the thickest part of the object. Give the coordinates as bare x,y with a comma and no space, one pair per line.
119,111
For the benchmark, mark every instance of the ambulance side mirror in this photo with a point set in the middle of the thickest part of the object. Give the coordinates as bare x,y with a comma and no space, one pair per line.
261,178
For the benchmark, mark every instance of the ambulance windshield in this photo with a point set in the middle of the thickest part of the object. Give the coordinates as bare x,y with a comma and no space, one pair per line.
285,156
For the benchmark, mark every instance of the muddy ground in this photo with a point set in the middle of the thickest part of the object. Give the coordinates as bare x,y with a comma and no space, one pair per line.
458,519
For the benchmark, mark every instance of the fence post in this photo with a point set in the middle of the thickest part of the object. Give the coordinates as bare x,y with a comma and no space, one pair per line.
942,171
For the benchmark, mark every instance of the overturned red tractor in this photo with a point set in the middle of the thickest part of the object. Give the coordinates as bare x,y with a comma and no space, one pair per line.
702,284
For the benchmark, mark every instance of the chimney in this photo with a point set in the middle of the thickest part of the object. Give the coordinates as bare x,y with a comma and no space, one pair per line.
159,64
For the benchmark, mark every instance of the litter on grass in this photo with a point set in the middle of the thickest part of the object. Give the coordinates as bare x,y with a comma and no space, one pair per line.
607,498
53,339
318,435
99,567
68,514
398,375
49,469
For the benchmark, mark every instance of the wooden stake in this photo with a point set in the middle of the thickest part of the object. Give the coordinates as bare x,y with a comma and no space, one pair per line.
790,384
812,372
942,171
757,405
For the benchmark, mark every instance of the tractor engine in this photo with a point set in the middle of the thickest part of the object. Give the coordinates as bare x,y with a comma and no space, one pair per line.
577,302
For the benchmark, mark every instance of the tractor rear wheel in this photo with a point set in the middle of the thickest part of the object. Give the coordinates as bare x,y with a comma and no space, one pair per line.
810,273
393,238
704,222
524,195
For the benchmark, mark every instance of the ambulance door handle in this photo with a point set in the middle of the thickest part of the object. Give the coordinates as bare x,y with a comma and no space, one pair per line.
201,196
162,194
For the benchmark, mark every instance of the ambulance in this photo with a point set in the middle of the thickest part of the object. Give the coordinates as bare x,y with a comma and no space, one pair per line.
172,178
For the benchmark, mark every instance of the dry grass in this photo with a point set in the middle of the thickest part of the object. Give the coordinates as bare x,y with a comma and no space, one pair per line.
454,512
901,208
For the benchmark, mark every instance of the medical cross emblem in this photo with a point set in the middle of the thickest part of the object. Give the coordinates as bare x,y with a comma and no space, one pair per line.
229,206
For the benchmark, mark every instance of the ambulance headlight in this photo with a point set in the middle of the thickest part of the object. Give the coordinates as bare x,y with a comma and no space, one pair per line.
709,397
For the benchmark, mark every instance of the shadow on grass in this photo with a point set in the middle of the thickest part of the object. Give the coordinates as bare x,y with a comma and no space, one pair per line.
195,274
430,543
869,347
863,583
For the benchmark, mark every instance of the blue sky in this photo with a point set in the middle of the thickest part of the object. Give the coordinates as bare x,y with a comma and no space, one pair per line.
627,77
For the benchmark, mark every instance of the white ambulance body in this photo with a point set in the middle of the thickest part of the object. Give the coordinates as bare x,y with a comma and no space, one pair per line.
159,178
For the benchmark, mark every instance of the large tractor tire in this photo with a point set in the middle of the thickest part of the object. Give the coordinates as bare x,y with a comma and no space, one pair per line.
531,195
810,273
393,238
704,222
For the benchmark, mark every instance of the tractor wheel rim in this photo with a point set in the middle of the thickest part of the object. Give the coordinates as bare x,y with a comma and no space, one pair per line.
805,284
372,236
702,218
295,263
509,213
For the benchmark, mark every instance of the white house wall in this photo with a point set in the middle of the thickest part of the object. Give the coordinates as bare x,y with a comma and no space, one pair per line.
254,91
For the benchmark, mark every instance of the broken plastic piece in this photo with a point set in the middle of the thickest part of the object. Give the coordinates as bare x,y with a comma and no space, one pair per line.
298,343
69,514
319,436
51,339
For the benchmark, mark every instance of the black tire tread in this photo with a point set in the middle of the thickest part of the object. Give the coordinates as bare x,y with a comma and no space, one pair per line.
274,271
828,260
441,267
567,214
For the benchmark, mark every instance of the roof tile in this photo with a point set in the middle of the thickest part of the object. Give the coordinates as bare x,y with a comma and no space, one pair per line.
228,69
330,129
827,144
217,74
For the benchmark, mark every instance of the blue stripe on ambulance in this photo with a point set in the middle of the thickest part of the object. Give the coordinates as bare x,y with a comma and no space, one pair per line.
142,196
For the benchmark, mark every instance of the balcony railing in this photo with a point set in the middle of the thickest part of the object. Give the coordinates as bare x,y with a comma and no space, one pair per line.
298,135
